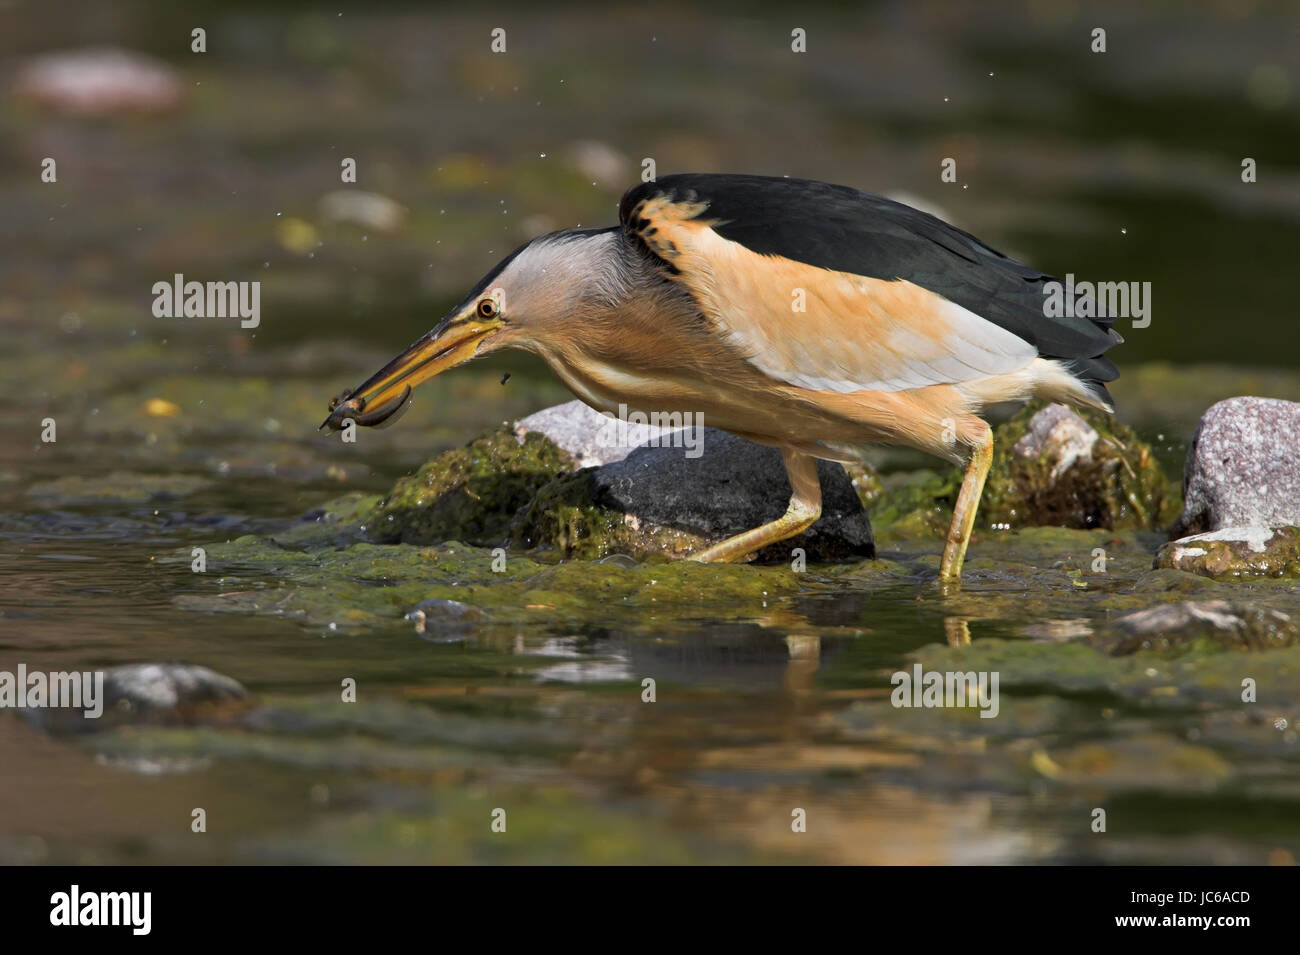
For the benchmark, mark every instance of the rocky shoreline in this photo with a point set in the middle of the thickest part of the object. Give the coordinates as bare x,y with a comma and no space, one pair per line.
549,483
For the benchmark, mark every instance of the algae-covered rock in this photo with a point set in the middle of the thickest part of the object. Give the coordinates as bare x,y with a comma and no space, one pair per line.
662,499
1028,667
1236,552
1193,624
1242,468
468,494
118,487
564,516
365,585
1053,465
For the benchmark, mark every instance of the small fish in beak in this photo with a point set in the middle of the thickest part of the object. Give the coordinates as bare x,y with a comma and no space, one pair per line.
345,406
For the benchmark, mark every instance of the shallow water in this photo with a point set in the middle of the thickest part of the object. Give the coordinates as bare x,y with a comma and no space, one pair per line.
772,688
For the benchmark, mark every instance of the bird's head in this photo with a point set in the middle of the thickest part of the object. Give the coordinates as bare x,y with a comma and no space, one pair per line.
538,289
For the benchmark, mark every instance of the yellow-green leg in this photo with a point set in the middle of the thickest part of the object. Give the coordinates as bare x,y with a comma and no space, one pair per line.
968,502
805,507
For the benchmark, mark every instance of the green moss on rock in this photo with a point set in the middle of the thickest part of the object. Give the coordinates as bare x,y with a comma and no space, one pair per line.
1122,486
1235,552
562,516
469,494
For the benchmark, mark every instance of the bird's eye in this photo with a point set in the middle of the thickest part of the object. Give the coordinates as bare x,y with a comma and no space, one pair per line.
487,308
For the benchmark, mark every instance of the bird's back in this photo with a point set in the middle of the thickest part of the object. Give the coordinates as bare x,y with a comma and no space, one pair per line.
844,230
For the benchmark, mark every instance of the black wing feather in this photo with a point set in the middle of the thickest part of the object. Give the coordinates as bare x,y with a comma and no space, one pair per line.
840,228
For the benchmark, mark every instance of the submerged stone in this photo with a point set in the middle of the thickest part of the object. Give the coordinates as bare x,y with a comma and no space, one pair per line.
1242,467
154,693
438,619
117,487
1231,625
661,499
168,686
365,585
1030,667
1236,552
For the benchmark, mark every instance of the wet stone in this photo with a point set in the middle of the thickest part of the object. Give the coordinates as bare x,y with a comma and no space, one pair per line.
439,619
155,693
1054,465
1231,625
1242,467
1235,552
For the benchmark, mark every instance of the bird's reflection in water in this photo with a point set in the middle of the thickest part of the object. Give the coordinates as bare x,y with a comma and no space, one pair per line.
956,631
805,657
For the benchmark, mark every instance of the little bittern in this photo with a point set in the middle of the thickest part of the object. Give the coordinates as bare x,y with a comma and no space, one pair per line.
807,316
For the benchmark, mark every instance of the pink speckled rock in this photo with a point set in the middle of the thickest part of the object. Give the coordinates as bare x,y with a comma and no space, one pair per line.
1243,468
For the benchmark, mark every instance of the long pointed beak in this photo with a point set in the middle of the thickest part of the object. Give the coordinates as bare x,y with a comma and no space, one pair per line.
386,392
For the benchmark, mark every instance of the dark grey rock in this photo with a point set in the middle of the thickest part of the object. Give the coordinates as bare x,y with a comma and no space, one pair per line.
1243,467
733,486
